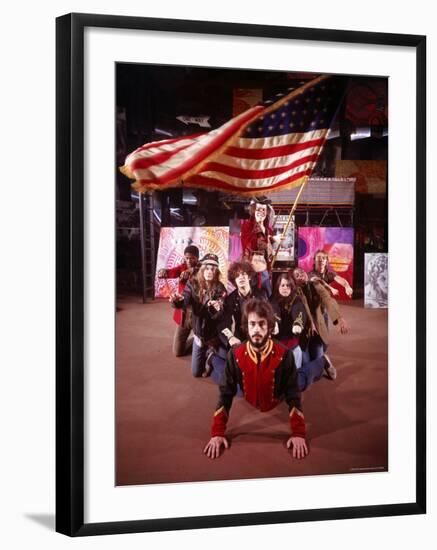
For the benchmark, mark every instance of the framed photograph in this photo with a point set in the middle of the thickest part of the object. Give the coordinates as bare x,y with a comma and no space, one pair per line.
286,247
182,147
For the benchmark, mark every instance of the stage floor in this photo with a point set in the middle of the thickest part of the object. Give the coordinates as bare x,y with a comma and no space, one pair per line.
163,414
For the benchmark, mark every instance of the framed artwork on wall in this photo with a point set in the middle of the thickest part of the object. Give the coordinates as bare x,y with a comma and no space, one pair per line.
110,420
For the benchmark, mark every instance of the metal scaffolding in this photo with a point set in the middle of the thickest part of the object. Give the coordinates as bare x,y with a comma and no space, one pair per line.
147,236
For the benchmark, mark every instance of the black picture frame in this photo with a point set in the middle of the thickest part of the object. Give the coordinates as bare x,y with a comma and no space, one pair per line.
70,273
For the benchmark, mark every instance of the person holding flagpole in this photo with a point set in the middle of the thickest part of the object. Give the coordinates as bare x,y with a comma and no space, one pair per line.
269,147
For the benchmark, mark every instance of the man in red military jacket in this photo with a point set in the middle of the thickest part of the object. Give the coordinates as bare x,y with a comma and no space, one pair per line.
266,371
184,272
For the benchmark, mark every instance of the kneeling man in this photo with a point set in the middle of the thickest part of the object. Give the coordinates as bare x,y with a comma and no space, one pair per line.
267,374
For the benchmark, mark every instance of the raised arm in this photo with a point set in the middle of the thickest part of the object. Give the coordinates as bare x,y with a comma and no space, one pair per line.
332,308
182,301
172,273
316,279
344,284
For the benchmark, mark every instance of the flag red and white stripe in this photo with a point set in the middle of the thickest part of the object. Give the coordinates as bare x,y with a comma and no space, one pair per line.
261,150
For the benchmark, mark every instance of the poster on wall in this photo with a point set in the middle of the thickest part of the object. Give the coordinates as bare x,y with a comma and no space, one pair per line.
286,247
235,247
376,280
173,241
337,242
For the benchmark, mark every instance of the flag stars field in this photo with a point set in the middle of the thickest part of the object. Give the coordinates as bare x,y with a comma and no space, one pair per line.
263,148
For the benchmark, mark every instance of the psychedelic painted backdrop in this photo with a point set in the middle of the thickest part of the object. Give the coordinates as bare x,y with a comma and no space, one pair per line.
235,248
337,242
172,242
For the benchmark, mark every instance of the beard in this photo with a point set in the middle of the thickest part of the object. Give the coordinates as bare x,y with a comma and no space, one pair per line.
259,343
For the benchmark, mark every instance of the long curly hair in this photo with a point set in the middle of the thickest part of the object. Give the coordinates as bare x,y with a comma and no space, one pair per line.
203,288
239,267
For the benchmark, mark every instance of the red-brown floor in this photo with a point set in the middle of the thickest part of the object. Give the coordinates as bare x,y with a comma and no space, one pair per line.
163,414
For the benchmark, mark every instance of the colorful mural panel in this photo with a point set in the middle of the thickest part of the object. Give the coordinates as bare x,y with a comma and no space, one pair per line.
337,242
172,242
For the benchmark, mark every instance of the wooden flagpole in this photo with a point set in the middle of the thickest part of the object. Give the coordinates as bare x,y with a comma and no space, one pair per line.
289,219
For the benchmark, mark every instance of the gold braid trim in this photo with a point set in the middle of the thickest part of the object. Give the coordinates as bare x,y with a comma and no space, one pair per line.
221,409
299,320
264,352
296,411
305,305
250,351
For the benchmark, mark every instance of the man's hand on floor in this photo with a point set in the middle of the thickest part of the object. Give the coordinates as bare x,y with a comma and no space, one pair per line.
212,449
299,447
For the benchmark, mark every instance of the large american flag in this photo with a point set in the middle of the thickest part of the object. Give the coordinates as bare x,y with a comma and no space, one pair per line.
267,148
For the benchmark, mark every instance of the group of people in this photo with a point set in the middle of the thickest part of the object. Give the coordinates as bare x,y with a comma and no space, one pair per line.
264,344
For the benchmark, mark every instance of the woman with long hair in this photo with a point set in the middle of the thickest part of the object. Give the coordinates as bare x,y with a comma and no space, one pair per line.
205,295
291,315
294,320
289,310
